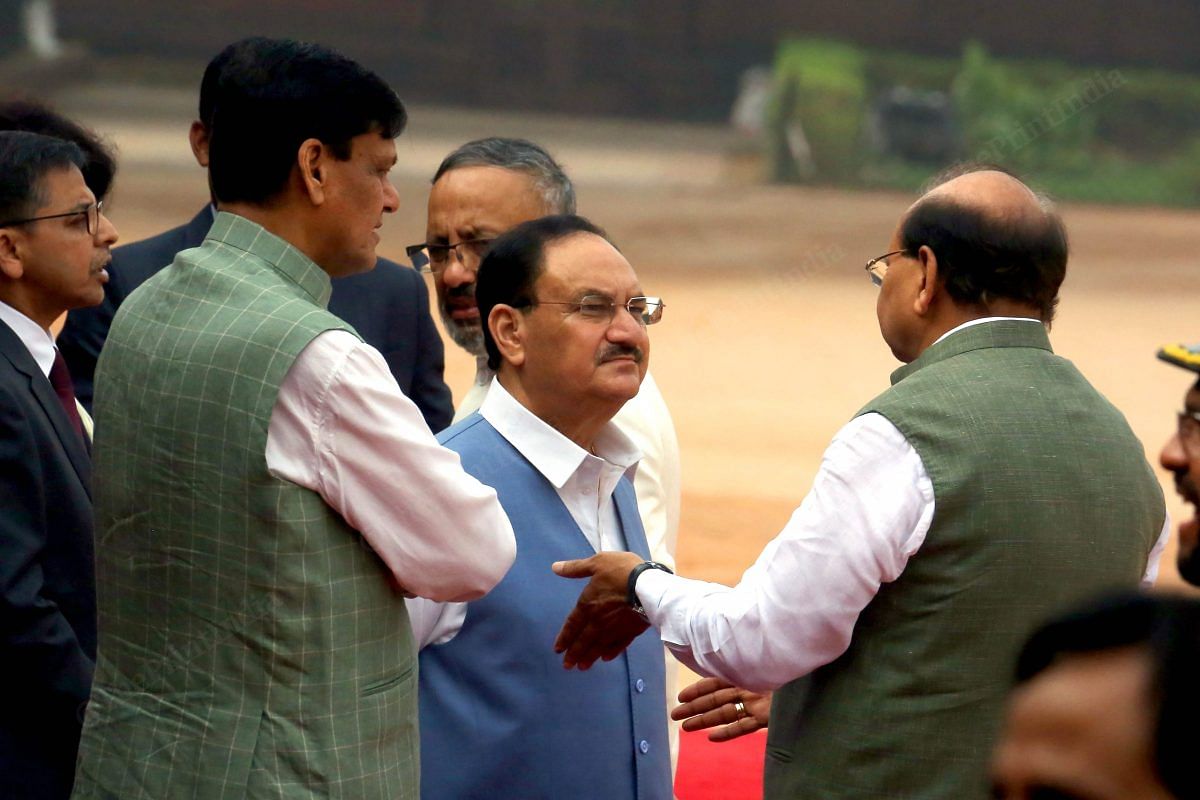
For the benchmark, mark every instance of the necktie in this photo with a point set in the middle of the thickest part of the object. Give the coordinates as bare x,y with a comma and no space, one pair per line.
60,379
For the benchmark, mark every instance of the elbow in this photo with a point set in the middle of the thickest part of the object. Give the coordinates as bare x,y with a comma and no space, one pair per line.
491,570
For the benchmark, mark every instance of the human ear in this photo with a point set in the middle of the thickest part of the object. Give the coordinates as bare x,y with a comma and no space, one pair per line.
929,280
198,138
10,257
507,326
310,159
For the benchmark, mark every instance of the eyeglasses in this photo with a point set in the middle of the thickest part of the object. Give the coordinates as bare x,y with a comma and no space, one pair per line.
598,308
435,258
93,211
1189,431
877,267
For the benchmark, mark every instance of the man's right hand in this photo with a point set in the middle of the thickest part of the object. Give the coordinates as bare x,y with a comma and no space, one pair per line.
712,703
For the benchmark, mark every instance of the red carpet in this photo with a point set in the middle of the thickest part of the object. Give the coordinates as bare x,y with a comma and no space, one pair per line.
720,771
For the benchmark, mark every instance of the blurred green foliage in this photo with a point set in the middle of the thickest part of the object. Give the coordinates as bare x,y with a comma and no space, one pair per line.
822,87
1105,135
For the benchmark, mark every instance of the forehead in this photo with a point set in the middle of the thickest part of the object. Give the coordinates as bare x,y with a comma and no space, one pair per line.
483,197
584,261
1086,721
62,189
374,146
1191,400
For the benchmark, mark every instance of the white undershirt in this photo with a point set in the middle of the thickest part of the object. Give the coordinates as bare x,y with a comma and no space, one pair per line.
584,481
37,340
869,509
342,428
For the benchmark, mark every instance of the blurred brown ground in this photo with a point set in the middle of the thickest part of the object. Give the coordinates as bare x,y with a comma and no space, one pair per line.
769,343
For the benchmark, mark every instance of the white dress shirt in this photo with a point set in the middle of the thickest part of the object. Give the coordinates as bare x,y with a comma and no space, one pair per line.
342,428
584,481
869,509
646,420
36,339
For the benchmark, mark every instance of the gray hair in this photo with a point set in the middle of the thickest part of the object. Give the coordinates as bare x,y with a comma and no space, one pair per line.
519,155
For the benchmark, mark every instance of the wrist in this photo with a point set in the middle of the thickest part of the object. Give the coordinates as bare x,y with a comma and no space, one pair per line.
631,586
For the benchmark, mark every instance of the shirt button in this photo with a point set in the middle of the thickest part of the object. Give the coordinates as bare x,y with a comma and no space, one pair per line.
644,746
640,685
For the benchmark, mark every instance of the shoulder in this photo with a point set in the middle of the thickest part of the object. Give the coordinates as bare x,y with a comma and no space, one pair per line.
466,433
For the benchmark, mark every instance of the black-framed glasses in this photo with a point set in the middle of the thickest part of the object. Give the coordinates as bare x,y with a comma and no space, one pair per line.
435,258
93,211
598,308
1189,431
877,267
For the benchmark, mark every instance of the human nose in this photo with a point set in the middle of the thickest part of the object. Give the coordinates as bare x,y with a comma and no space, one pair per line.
1172,456
457,272
106,232
625,325
391,198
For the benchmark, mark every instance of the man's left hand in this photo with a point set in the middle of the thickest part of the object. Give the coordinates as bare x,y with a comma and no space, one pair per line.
602,624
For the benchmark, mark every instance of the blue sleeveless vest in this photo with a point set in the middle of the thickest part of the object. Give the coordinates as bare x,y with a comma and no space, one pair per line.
500,717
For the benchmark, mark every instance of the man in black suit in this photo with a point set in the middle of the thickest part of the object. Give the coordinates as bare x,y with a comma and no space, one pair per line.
388,306
54,250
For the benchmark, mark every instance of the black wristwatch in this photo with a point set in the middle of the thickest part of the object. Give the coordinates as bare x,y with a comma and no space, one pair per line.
631,596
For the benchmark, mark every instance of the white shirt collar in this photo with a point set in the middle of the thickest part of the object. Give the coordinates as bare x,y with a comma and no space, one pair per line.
36,339
555,456
973,322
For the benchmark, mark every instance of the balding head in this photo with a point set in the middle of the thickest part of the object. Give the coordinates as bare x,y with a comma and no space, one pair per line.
994,238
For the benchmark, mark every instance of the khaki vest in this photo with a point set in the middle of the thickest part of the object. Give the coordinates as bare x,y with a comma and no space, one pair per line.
1042,497
251,643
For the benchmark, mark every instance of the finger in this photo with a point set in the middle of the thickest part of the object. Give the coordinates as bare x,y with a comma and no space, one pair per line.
570,629
733,731
702,687
580,568
707,703
724,714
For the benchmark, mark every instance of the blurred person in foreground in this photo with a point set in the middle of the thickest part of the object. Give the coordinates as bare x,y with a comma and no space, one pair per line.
1106,705
266,496
480,190
387,306
1181,456
989,486
565,332
54,248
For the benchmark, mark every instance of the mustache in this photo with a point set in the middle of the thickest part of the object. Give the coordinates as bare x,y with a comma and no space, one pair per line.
612,352
1186,488
466,290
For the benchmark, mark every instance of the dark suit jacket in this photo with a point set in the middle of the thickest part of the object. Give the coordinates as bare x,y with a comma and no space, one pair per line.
47,581
388,306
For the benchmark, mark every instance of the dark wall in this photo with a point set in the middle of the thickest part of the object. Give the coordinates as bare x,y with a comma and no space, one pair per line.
652,58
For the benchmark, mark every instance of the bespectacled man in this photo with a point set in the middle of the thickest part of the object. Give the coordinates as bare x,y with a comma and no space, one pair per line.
54,253
1181,456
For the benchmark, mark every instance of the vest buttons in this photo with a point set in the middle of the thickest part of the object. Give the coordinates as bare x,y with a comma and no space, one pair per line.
640,685
644,746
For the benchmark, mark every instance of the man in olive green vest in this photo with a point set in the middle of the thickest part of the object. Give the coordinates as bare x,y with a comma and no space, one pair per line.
989,486
265,494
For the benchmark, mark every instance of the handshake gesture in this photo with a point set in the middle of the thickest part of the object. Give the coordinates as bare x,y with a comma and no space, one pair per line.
603,624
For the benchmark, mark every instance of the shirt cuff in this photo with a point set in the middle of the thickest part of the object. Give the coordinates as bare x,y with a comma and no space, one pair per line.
651,585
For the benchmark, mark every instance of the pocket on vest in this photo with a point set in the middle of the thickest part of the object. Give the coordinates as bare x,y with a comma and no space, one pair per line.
388,683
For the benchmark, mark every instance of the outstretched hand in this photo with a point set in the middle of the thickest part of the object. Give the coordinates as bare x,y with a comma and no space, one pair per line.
602,624
711,703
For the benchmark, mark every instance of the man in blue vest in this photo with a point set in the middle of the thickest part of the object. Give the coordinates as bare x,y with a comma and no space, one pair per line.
990,485
565,329
1181,456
